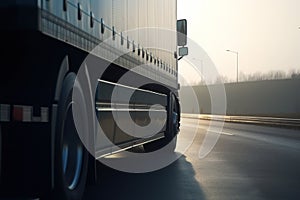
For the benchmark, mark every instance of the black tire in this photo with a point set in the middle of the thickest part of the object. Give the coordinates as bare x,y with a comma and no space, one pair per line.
173,123
71,157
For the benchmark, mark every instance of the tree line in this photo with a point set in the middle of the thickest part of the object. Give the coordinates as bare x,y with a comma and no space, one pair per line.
259,76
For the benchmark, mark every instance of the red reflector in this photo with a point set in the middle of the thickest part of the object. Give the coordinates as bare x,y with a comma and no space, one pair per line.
25,114
18,113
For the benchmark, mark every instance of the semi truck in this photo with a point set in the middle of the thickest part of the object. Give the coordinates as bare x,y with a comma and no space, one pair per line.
44,44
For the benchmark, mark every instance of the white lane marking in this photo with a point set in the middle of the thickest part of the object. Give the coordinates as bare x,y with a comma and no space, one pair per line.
201,127
224,133
221,132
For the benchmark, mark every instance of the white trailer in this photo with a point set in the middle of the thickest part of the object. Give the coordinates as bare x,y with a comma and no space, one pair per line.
44,44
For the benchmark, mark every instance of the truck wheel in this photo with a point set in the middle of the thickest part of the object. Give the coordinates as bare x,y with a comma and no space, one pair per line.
71,157
173,123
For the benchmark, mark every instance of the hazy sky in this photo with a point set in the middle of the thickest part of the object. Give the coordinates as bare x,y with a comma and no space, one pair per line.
264,32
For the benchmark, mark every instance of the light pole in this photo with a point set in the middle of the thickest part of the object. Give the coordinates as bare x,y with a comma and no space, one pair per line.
237,64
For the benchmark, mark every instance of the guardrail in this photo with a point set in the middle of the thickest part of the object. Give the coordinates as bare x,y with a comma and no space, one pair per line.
270,121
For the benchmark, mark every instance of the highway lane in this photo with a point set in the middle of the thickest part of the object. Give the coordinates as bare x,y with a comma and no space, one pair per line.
248,162
254,162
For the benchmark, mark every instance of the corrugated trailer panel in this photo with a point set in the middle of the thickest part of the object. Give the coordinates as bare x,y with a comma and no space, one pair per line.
152,34
96,9
123,16
174,27
163,10
173,37
133,19
143,22
119,14
104,9
119,20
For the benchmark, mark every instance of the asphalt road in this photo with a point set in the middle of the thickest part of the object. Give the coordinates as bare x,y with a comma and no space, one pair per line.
247,162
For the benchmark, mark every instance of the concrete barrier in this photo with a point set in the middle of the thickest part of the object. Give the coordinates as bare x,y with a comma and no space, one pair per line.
276,98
